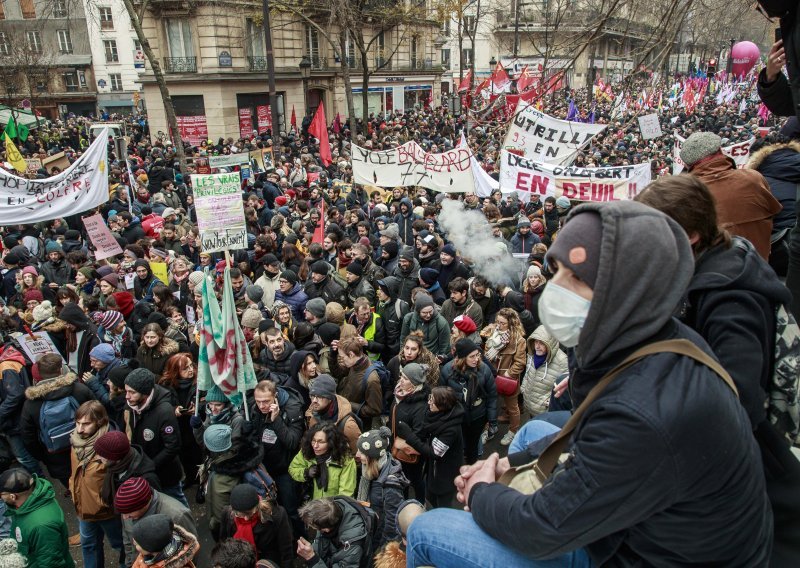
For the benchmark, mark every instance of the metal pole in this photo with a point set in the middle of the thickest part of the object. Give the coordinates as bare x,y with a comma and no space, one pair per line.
307,111
730,57
273,95
516,27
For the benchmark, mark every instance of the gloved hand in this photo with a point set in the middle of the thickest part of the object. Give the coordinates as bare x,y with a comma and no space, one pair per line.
195,421
247,427
312,472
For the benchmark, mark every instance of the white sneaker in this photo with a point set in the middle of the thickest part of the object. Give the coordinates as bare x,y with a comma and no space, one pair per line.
506,440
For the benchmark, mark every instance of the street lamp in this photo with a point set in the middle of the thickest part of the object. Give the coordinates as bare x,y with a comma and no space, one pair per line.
492,62
730,57
305,73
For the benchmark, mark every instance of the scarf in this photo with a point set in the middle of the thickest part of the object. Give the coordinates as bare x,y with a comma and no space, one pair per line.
71,340
140,409
244,529
114,470
84,447
343,259
538,360
496,343
223,417
179,278
322,463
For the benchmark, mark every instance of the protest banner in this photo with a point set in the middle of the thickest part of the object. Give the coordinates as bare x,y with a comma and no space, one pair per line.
649,126
228,160
245,123
37,344
264,116
100,235
82,186
220,211
525,177
201,165
739,153
410,165
538,136
257,159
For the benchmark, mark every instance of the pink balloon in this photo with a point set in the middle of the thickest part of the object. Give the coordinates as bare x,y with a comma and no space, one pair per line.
745,55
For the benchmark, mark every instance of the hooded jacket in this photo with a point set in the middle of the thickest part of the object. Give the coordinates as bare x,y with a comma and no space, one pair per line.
408,280
436,331
780,166
160,504
13,382
404,222
537,384
181,559
392,312
133,232
143,288
296,300
386,492
40,530
155,430
346,547
155,358
676,491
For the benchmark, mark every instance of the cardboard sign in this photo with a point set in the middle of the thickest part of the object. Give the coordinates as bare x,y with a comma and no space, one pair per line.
220,211
160,271
540,137
37,345
34,164
228,160
201,165
650,127
526,177
104,242
269,159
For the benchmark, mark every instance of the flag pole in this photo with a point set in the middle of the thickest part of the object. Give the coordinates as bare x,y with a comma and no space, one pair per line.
228,264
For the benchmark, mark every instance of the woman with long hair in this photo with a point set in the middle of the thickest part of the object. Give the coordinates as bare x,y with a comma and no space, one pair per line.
382,483
162,298
414,351
532,288
282,315
155,348
180,378
472,379
505,351
64,296
325,461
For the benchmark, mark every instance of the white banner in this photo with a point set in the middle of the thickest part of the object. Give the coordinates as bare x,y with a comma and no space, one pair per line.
526,177
228,160
538,136
410,165
739,153
82,186
220,211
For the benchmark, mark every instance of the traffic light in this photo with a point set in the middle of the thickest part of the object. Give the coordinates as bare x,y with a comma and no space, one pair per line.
712,66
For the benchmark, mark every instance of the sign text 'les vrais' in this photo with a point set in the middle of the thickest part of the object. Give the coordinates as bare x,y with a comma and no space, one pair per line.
540,137
528,177
220,211
82,186
410,165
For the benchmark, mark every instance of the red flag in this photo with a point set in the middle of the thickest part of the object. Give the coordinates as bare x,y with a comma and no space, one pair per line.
484,85
500,79
319,129
294,119
319,230
463,86
525,80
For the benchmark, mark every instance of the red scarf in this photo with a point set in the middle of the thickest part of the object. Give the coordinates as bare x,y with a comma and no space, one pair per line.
344,260
244,529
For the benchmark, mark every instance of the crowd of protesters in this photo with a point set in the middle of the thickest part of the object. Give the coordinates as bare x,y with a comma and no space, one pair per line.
384,357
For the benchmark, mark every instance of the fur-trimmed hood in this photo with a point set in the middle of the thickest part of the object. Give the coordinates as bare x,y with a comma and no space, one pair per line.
758,158
46,388
165,348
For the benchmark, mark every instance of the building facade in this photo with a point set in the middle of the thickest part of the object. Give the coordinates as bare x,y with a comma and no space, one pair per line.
45,57
214,61
117,56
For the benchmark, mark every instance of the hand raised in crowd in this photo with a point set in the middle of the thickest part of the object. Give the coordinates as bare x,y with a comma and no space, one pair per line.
775,60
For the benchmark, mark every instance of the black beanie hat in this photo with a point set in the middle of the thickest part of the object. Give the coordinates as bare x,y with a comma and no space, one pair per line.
141,380
578,246
265,324
244,497
464,347
153,533
355,268
117,375
289,276
269,258
329,332
320,267
391,249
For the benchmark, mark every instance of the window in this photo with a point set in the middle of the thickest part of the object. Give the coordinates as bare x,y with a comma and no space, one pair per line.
137,45
71,82
255,35
469,25
110,47
60,9
446,28
446,58
106,18
64,41
4,47
413,54
34,41
116,81
312,46
466,55
28,9
179,37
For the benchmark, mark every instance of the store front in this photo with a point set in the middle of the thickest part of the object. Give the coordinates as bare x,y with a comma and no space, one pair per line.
390,98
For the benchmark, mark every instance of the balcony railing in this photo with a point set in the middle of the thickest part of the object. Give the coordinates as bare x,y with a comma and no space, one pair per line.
318,62
180,64
257,62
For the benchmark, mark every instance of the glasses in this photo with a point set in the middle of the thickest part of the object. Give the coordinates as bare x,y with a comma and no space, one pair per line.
282,281
426,313
319,442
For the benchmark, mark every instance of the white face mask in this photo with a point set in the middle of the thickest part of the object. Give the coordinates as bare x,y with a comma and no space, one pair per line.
563,313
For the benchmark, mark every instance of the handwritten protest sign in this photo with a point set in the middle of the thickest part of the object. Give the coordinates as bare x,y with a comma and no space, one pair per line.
82,186
228,160
220,211
538,136
34,164
739,153
37,345
410,165
160,271
649,126
104,242
527,177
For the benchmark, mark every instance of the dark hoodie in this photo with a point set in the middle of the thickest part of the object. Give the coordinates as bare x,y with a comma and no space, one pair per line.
409,279
143,287
404,221
392,313
780,166
295,362
74,315
675,491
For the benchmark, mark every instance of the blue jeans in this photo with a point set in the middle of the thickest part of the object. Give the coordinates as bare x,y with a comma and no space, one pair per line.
530,432
24,457
92,541
176,492
5,522
447,538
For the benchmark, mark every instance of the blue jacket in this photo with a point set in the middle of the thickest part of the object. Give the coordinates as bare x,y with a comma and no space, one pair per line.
524,244
296,299
480,399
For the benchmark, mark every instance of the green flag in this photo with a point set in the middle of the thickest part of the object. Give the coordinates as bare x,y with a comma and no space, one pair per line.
16,131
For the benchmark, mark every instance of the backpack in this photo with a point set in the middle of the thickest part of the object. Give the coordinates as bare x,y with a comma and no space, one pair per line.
56,423
343,421
782,406
386,384
262,481
370,519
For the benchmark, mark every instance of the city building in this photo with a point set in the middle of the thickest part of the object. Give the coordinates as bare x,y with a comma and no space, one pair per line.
45,57
214,59
117,56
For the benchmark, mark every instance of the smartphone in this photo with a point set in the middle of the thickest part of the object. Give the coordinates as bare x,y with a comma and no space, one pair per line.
778,36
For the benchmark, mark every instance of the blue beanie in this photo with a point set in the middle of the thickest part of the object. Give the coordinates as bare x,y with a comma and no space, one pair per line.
215,394
217,438
53,246
428,275
104,353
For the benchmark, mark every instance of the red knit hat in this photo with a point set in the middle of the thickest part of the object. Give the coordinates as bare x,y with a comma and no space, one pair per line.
33,295
112,445
465,324
124,301
133,495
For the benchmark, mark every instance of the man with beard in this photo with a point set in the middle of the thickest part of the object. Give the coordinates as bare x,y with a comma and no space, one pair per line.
451,266
276,357
327,406
407,271
56,271
357,285
460,303
323,286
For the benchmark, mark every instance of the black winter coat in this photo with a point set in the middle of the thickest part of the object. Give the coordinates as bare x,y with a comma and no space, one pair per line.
329,290
780,166
280,438
272,534
480,399
156,431
782,96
